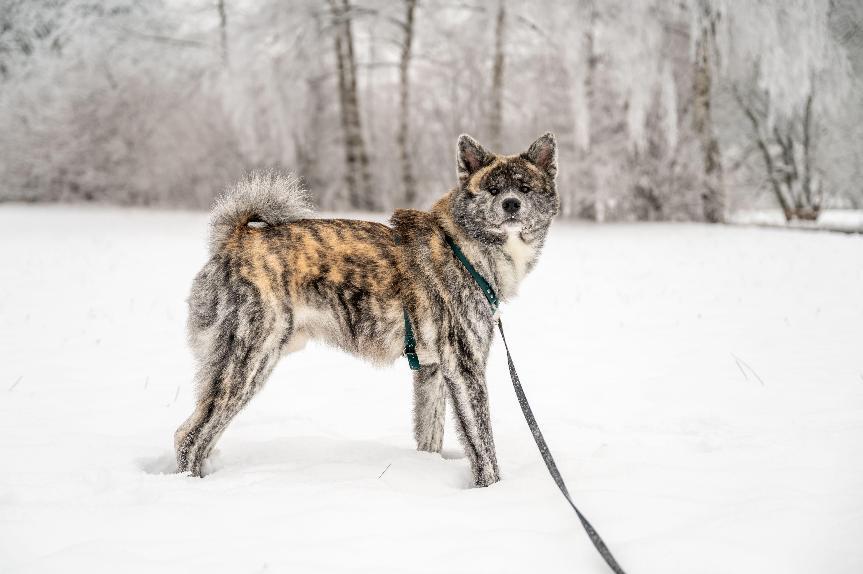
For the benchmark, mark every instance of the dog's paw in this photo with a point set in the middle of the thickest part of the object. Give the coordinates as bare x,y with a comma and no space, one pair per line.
486,479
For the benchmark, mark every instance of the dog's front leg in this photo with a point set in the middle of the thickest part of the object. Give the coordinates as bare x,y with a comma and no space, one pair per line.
429,407
464,374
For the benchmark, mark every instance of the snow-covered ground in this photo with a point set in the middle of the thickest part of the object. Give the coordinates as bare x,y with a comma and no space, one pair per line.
701,388
845,220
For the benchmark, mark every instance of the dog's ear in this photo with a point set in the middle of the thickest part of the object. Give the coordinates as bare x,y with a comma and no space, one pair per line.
471,156
543,154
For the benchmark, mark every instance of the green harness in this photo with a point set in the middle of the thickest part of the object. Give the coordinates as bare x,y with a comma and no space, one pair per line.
410,344
410,340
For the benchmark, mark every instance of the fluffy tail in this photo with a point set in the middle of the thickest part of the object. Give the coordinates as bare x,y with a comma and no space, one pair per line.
262,198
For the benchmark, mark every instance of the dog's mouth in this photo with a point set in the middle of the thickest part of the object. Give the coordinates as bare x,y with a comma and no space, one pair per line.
511,223
511,219
509,226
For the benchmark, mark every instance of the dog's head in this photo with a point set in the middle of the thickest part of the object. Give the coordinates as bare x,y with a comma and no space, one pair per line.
499,195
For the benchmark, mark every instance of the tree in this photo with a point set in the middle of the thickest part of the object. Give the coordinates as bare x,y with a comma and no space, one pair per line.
358,176
713,195
223,31
495,112
403,135
787,150
600,122
774,58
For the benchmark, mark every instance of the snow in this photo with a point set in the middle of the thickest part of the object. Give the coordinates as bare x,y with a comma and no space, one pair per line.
845,220
700,387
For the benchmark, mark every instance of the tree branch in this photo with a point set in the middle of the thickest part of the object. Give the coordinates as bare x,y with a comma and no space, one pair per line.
765,153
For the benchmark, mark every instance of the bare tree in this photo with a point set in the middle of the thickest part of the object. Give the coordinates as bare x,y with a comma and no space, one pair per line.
713,194
495,113
786,147
357,169
604,120
309,132
402,138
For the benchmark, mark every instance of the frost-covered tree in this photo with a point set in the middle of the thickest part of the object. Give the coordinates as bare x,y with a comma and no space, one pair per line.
788,75
166,102
629,86
104,108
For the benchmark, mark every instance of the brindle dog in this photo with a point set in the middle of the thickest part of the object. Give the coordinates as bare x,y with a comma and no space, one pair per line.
277,277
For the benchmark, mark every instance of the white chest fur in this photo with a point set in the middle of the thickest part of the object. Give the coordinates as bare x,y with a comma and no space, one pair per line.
521,255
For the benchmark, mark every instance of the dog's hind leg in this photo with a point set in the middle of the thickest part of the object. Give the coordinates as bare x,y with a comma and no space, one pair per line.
236,358
429,408
224,391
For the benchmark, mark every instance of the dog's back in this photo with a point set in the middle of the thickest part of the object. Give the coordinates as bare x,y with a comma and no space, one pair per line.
275,278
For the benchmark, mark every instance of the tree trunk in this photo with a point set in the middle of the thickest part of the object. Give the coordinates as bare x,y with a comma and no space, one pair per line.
495,115
223,32
408,181
713,195
307,141
341,76
309,129
357,169
594,207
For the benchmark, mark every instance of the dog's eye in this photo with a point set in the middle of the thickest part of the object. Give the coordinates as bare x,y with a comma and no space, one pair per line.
525,188
493,190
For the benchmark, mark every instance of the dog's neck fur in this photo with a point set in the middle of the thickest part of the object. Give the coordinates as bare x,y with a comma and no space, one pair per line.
503,263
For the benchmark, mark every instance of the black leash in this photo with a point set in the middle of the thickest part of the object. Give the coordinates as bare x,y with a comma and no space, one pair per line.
549,461
491,297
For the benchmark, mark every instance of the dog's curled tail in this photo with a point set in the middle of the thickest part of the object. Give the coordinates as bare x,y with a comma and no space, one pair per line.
262,198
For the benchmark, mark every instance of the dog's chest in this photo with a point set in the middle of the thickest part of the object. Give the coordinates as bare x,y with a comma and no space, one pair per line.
518,261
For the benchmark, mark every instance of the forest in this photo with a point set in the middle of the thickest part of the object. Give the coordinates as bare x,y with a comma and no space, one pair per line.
664,109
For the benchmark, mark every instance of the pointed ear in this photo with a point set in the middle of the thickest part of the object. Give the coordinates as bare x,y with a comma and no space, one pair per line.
471,157
543,154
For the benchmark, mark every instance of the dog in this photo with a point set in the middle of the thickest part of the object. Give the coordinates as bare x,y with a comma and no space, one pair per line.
278,277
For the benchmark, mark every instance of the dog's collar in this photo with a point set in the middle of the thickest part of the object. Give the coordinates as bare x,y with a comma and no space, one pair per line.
410,350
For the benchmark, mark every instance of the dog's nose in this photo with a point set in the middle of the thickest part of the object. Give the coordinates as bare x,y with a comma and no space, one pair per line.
511,205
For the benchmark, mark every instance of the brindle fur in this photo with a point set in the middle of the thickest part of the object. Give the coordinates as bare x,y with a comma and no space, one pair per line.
277,277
